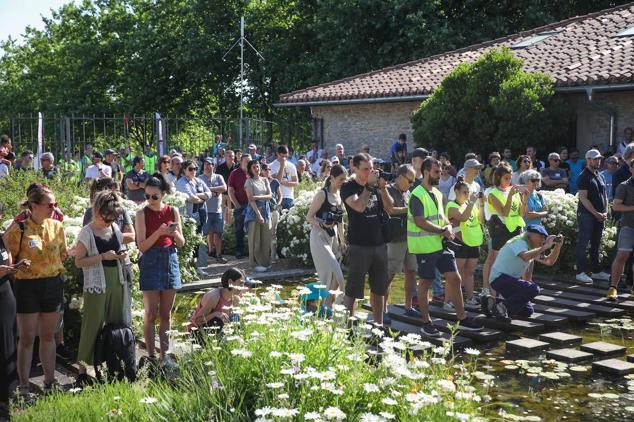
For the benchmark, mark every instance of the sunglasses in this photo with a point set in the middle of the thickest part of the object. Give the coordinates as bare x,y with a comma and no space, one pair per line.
154,197
535,180
555,159
165,162
192,168
108,220
409,181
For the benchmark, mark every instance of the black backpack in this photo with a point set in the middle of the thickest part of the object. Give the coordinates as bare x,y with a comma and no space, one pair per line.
115,345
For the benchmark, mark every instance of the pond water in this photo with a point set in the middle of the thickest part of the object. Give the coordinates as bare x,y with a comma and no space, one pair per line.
536,386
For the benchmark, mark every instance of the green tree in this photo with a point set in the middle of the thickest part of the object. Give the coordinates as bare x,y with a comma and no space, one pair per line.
491,104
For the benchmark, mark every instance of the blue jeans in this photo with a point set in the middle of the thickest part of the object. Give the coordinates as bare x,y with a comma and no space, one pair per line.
517,294
590,231
287,203
238,221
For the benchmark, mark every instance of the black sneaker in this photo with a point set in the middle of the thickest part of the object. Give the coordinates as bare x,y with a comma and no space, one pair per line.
82,381
469,324
63,353
151,362
486,305
500,312
429,330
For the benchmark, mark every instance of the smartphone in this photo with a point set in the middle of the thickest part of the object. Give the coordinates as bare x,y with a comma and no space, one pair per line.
22,263
558,239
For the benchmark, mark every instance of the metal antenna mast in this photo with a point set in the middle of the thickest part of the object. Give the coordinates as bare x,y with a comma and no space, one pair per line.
240,41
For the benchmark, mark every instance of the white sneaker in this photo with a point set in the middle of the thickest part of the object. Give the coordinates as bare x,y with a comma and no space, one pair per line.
485,292
201,271
260,269
472,302
448,306
603,276
583,278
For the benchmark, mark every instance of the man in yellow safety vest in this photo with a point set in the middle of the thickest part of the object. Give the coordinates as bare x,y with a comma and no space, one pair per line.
427,231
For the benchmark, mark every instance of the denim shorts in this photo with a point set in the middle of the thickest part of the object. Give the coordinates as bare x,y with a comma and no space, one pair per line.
215,223
159,269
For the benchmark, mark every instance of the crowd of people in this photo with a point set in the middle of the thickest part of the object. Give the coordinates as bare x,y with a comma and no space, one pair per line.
415,214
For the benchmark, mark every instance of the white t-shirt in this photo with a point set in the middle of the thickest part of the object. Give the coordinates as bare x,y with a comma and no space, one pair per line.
4,170
92,172
474,187
289,172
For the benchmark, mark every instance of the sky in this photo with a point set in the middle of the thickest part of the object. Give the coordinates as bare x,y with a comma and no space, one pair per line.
17,14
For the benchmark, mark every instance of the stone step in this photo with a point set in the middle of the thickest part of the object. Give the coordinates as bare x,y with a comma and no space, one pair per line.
484,335
572,314
582,306
569,355
525,327
548,319
581,288
65,378
603,349
614,366
561,339
404,328
526,345
630,358
626,304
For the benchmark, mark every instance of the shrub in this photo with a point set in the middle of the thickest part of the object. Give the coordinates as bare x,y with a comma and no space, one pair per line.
492,103
293,231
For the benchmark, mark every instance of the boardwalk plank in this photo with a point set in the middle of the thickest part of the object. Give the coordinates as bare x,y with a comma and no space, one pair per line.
627,304
584,306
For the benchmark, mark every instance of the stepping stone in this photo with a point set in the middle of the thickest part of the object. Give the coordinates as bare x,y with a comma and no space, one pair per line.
526,345
580,288
569,355
614,366
601,348
630,358
599,300
559,338
572,314
548,320
404,328
582,306
525,327
397,312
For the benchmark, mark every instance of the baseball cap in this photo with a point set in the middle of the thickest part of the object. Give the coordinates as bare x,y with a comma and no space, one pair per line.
209,160
536,228
420,153
472,163
110,151
252,146
97,154
553,156
592,154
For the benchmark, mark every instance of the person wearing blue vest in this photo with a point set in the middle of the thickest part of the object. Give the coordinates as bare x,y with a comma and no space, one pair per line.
428,231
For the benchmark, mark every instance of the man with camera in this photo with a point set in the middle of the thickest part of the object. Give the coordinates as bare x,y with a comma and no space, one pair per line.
395,198
366,251
509,266
428,232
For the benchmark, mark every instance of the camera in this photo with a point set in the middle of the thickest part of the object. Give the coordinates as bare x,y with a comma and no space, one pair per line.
558,239
388,177
332,217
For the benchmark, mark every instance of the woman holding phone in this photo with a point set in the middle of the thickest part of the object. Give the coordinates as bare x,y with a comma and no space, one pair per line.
159,233
101,254
39,287
8,369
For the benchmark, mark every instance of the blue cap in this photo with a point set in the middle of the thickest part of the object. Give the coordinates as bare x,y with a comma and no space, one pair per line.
315,293
536,228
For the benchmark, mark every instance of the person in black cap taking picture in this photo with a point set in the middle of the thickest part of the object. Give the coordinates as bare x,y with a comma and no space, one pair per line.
509,266
98,169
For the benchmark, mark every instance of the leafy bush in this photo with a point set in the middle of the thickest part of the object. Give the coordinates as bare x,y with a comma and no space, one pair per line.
562,219
492,104
279,364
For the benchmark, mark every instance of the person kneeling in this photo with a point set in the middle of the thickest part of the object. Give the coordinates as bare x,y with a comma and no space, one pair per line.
514,257
215,307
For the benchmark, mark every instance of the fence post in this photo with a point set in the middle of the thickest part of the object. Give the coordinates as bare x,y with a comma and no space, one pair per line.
69,146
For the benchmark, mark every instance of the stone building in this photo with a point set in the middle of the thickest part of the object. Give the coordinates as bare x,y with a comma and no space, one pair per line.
590,58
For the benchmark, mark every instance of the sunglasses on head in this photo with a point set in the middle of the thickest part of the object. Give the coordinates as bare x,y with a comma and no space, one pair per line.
154,197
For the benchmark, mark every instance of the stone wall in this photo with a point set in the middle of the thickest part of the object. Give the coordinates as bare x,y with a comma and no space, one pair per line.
377,125
593,125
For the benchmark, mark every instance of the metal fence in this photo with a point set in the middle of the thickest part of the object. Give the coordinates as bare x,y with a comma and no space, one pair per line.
68,135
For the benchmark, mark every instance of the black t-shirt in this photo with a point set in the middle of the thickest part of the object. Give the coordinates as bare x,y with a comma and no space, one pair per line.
4,258
593,183
224,170
364,229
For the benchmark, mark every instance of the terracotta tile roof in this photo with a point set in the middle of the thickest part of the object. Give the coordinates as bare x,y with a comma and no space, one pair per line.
584,51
